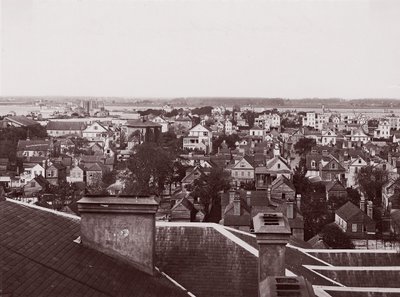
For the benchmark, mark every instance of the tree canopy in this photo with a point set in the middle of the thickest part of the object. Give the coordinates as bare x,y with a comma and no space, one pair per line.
207,189
304,146
150,168
371,179
335,238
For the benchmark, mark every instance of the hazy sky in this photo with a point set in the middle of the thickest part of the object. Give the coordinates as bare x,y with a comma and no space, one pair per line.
165,48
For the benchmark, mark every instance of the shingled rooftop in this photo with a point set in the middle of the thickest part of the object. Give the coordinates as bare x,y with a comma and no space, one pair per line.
40,256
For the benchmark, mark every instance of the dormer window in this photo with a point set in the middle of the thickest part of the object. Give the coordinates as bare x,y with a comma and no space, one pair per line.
313,164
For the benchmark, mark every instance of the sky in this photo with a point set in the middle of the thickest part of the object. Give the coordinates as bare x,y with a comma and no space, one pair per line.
190,48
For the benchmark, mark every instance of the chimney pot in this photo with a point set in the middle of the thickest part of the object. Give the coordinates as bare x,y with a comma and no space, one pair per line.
248,198
272,233
122,227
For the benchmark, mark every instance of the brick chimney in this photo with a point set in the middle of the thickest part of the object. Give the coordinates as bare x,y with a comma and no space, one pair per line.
248,198
121,227
298,201
231,195
362,203
272,232
236,204
290,209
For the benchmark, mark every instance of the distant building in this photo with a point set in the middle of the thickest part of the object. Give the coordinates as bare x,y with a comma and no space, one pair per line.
59,129
19,121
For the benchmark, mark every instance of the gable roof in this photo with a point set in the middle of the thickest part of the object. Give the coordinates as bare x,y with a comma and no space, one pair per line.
335,185
200,127
282,180
349,211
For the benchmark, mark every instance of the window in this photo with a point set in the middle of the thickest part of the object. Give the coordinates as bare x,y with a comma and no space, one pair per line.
33,184
95,127
248,173
312,164
333,166
353,227
205,133
242,173
279,166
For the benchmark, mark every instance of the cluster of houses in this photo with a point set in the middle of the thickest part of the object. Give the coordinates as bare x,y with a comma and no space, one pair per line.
260,163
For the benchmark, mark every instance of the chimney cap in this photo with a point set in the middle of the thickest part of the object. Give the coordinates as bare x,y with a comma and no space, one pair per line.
271,223
121,204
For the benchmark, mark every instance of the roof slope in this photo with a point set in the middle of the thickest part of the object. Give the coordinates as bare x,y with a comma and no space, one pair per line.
67,125
21,120
39,258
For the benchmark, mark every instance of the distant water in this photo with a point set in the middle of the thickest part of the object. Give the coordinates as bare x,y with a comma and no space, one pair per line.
24,109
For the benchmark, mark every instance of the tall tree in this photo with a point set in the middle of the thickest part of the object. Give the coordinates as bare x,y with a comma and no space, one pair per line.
207,188
334,237
150,168
304,146
371,179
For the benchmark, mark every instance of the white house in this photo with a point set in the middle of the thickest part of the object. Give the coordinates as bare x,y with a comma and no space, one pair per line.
199,138
383,130
255,131
243,170
96,132
228,127
30,172
359,135
355,166
328,137
163,122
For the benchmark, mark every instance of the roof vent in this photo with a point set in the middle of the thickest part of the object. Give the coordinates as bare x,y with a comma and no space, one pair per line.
270,219
286,287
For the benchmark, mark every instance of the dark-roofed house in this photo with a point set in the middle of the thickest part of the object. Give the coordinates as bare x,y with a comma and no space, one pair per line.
94,172
146,131
35,185
353,221
20,121
282,189
56,173
331,169
236,214
65,128
185,211
335,189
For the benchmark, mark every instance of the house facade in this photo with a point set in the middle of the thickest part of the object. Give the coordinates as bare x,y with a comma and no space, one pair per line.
199,138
